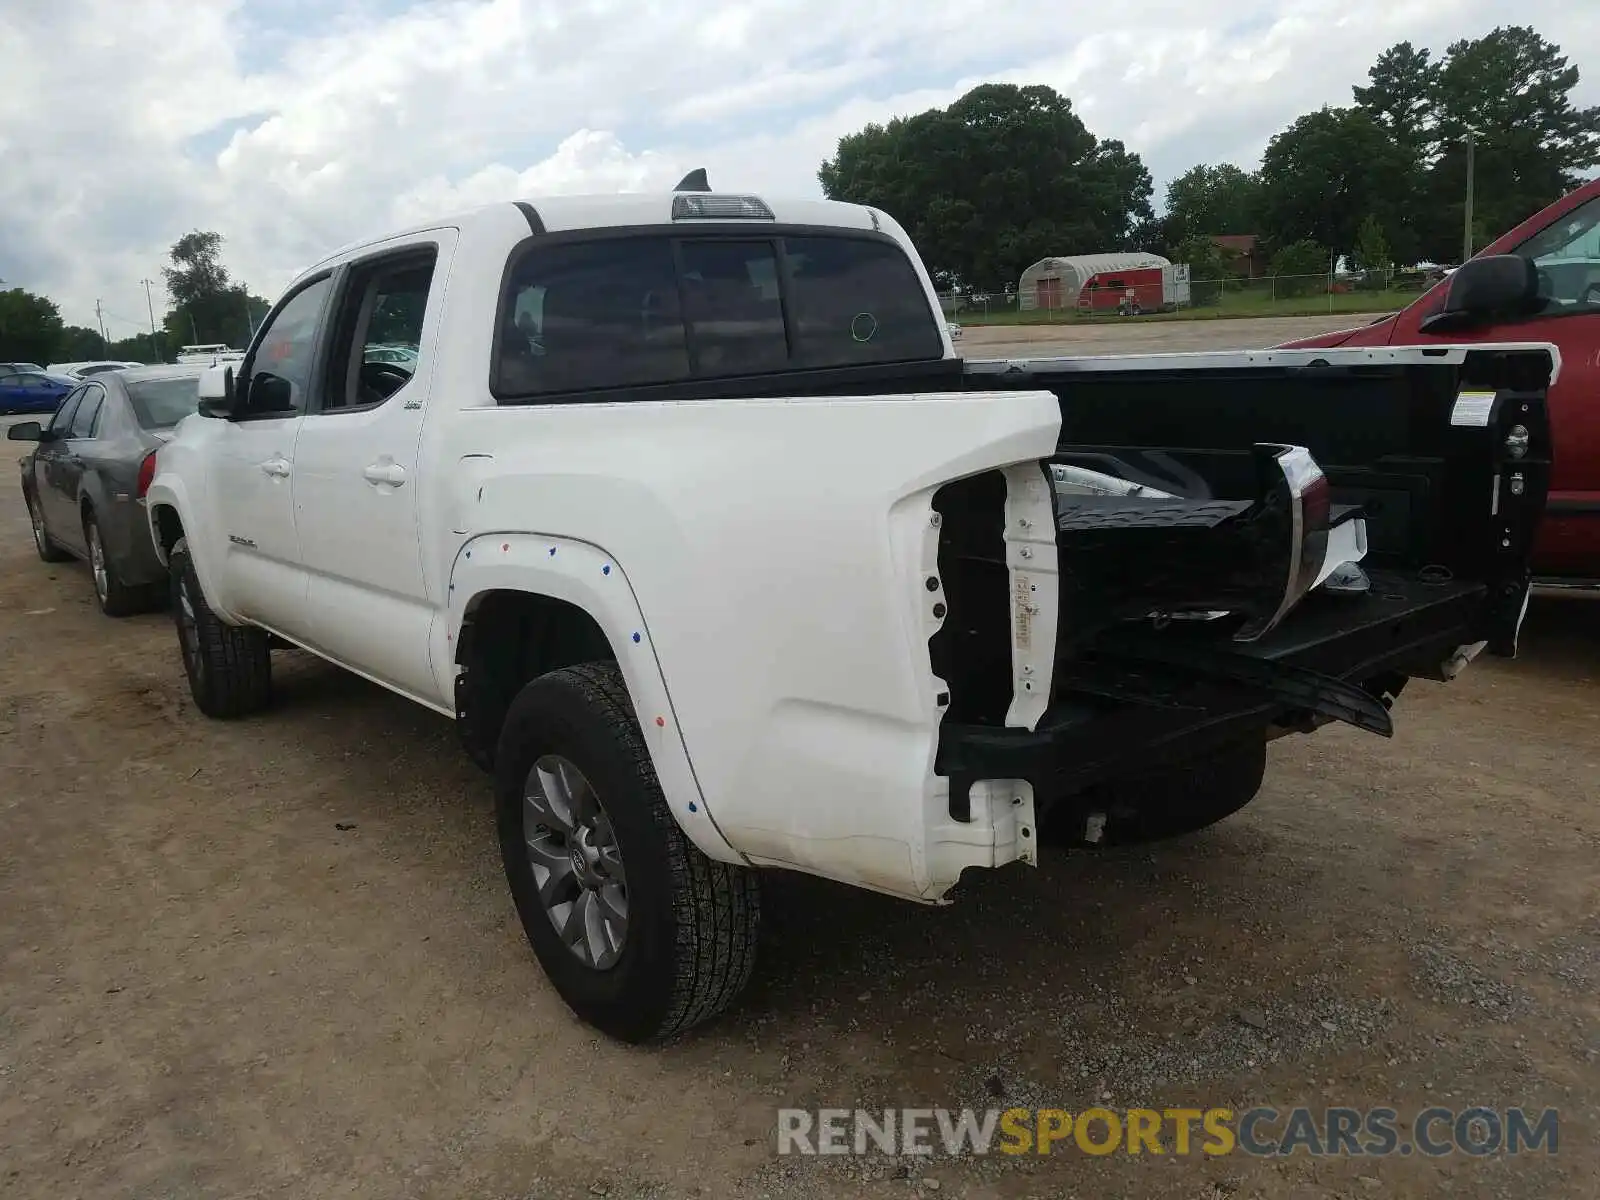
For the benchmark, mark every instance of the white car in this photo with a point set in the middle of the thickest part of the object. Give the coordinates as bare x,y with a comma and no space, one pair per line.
721,560
82,370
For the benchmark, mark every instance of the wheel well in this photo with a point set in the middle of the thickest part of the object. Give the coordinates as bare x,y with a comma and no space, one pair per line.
169,527
508,638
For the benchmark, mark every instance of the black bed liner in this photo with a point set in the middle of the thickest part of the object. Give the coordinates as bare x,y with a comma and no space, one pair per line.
1164,694
1416,445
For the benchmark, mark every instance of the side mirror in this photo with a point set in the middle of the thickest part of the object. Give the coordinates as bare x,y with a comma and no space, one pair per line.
25,431
271,393
1484,289
216,392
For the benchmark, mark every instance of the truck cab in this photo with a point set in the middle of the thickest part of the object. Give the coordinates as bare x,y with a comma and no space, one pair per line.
1561,245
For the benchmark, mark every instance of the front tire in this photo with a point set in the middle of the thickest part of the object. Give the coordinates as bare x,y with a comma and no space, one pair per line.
641,934
229,666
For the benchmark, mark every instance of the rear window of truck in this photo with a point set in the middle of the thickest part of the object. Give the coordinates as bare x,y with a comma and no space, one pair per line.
638,311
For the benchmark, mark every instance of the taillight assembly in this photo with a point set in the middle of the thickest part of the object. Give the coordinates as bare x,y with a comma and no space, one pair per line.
147,472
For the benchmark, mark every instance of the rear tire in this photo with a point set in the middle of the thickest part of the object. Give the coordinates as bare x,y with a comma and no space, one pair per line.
1162,804
42,542
116,598
668,937
229,666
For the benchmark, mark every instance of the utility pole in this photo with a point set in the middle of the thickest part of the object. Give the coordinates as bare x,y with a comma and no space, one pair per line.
150,307
105,342
1466,232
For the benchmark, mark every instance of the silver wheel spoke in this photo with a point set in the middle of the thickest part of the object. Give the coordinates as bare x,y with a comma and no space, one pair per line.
547,797
576,861
552,869
611,864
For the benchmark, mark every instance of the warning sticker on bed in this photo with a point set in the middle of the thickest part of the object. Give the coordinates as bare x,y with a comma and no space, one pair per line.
1472,408
1022,602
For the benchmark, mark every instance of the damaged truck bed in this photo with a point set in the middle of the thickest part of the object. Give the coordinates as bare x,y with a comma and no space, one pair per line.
1249,545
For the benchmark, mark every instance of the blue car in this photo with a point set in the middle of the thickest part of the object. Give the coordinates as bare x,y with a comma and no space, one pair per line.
33,391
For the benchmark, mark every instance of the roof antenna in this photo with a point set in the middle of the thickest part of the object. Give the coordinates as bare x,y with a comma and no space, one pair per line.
694,181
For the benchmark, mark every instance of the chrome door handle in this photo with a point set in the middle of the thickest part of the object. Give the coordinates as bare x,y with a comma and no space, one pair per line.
278,467
391,473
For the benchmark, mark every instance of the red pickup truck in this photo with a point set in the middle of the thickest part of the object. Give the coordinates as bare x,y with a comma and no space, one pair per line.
1538,283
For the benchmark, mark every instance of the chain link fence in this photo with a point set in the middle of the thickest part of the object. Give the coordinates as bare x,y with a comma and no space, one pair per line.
1266,295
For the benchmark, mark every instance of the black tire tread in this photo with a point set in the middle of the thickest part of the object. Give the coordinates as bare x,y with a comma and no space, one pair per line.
716,906
238,678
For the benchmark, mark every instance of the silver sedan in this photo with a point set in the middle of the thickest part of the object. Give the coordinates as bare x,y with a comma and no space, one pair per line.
85,480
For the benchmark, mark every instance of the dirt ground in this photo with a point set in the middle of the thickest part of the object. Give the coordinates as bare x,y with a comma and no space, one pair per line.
277,958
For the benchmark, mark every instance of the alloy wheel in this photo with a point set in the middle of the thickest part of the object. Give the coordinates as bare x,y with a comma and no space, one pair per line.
97,561
577,864
40,539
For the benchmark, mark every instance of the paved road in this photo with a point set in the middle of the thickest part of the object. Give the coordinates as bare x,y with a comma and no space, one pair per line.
1147,337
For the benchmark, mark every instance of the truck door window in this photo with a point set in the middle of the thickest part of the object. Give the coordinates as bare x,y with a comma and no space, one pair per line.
593,315
857,300
280,366
1567,253
378,333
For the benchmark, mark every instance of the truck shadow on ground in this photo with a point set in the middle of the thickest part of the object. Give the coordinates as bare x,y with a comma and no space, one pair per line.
1561,635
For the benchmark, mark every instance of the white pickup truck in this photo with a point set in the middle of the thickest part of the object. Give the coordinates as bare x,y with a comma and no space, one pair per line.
687,513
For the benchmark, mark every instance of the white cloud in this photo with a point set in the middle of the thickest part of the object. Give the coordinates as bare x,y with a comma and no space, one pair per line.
292,127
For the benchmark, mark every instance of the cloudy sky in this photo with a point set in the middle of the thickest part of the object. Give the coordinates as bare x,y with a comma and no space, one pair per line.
292,126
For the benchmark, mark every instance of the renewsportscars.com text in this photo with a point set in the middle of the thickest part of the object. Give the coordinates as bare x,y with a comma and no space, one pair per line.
1475,1131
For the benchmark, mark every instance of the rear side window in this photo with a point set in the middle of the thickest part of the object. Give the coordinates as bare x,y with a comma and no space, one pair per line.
593,315
162,403
636,311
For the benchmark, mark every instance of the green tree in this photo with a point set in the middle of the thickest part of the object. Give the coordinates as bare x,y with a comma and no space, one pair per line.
1322,174
79,343
1401,96
1003,177
1301,268
1512,91
1208,269
30,327
1210,201
207,305
1372,253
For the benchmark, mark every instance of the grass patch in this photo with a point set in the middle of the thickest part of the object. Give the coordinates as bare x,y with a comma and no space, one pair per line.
1233,306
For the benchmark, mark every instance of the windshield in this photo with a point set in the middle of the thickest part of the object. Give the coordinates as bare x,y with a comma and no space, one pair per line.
158,403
